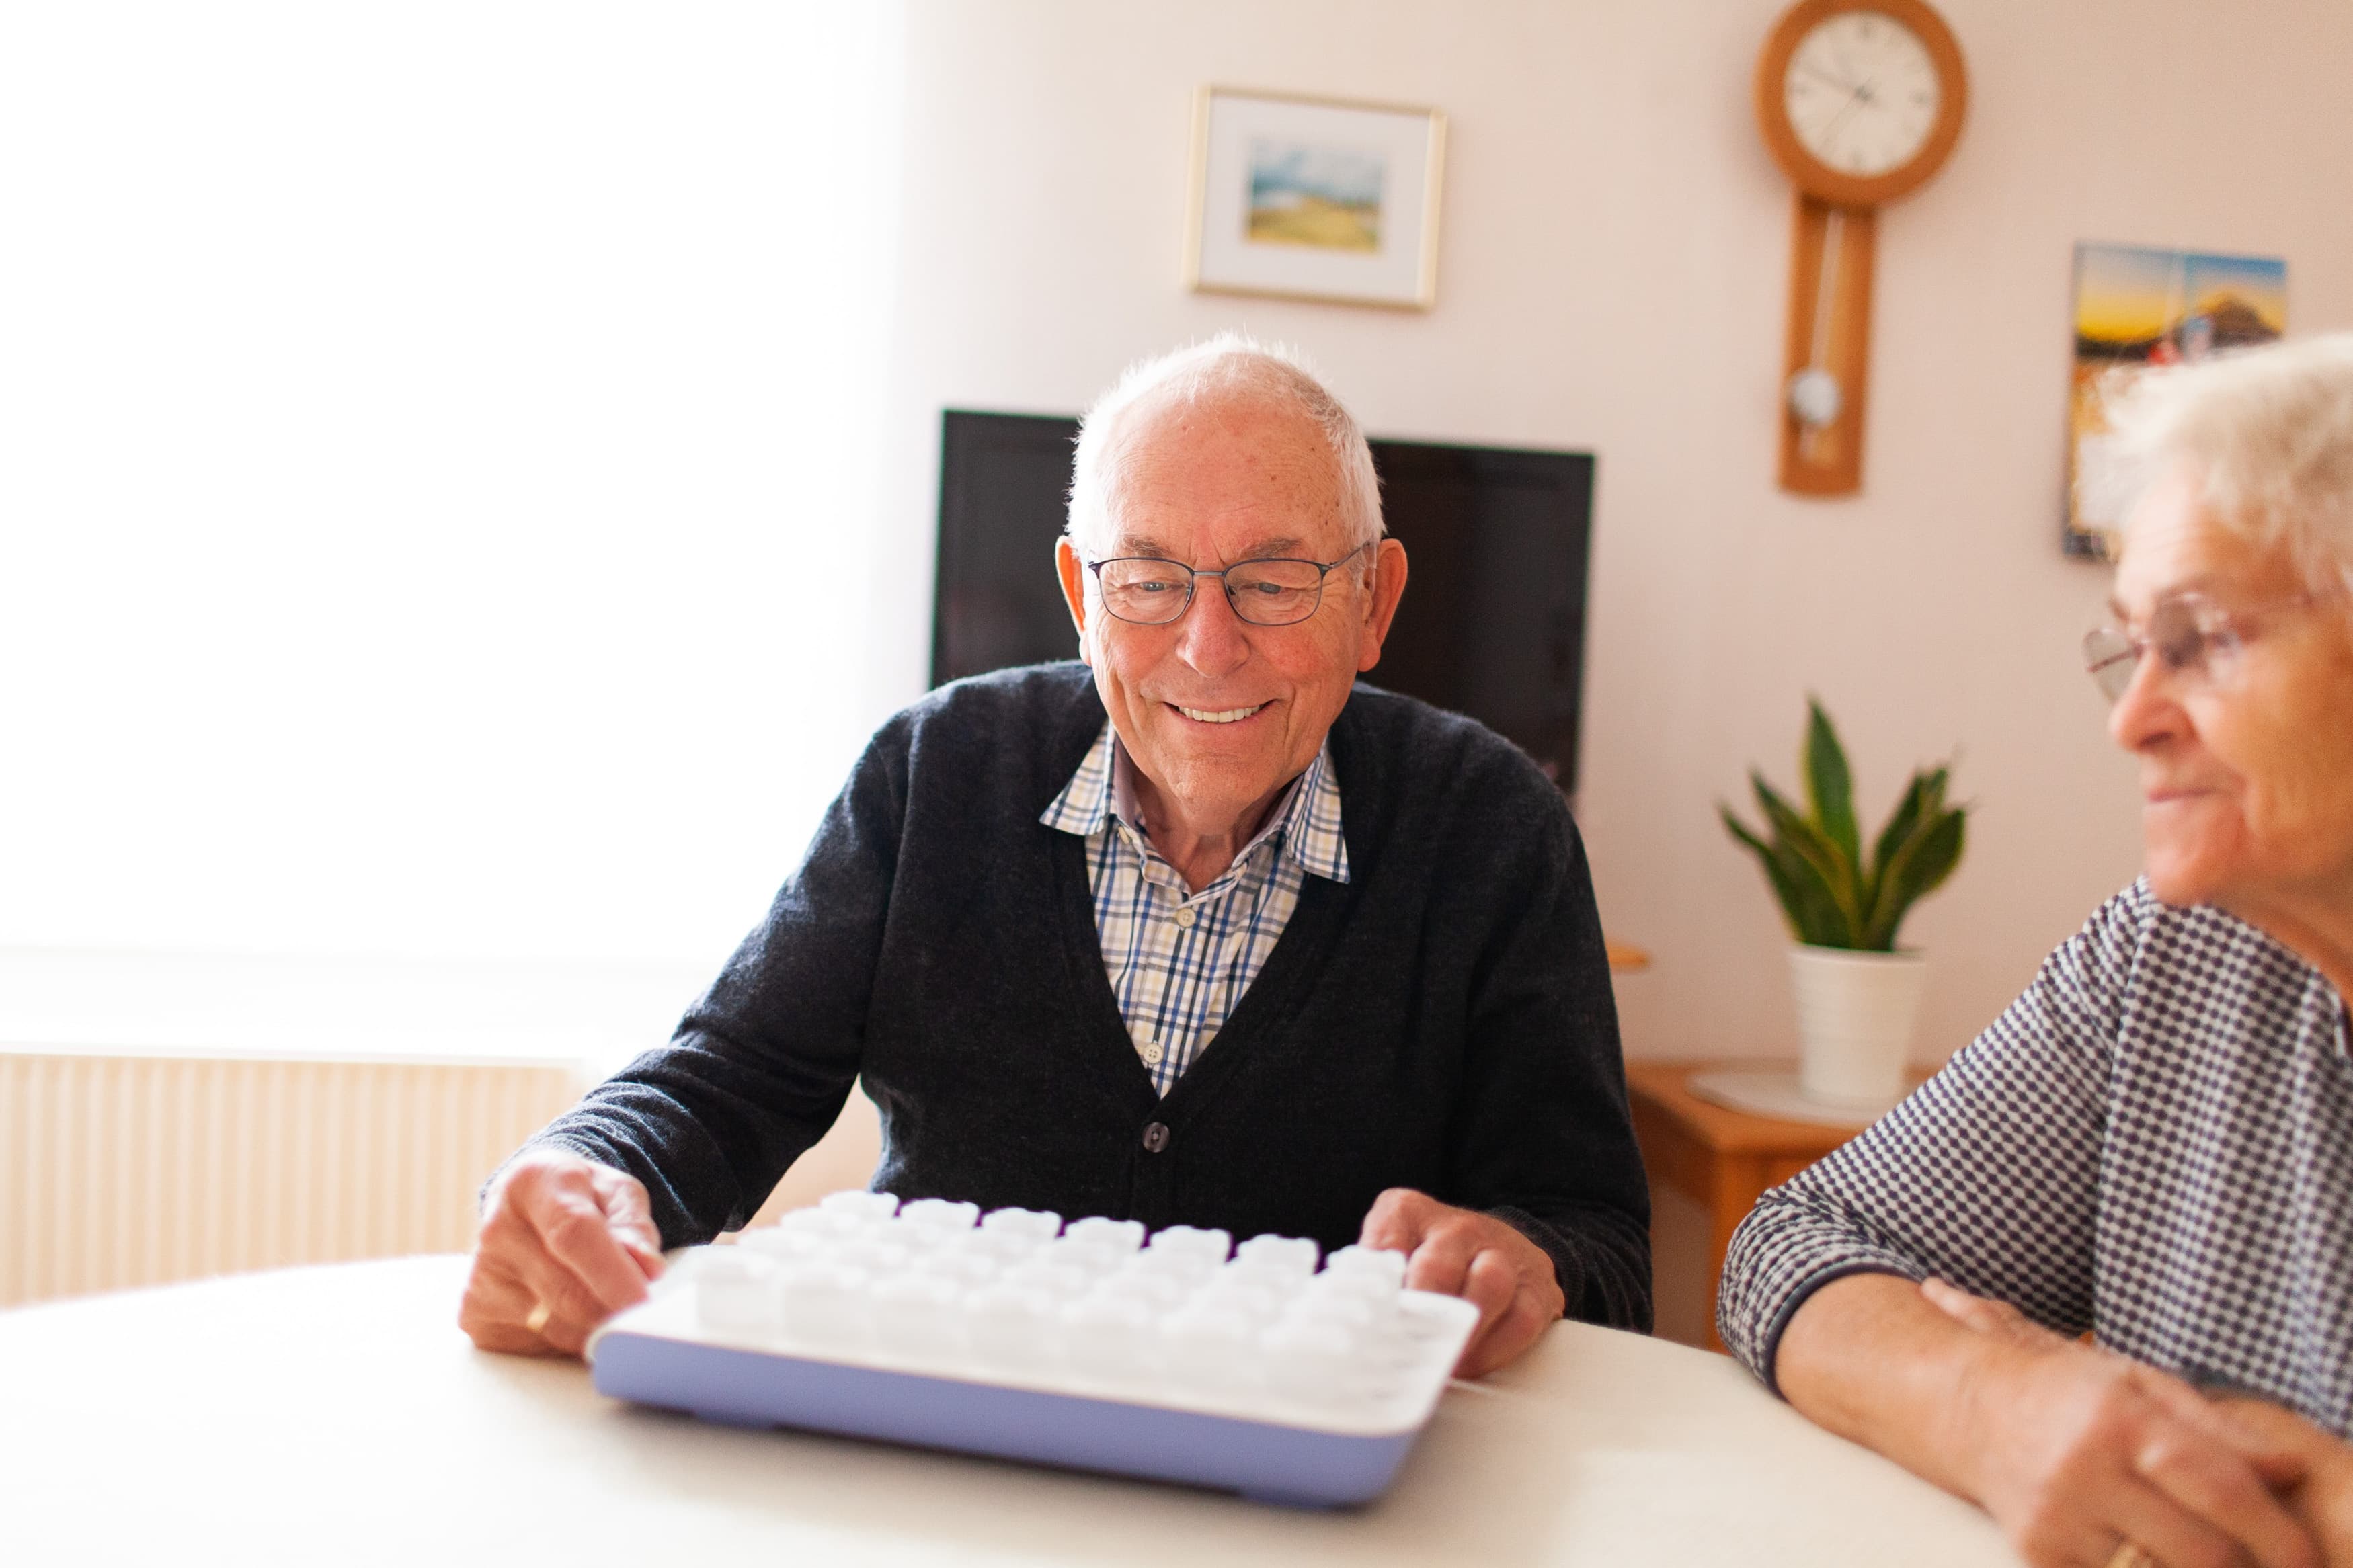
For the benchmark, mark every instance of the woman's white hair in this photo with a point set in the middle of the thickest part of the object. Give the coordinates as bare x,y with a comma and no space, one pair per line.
1228,367
2268,436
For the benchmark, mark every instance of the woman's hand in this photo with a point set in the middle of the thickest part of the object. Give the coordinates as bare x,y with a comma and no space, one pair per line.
2075,1451
2323,1500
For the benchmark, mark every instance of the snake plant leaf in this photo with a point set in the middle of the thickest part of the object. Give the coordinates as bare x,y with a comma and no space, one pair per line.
1919,866
1900,825
1740,830
1938,853
1796,835
1816,918
1830,784
1811,914
1923,798
1831,896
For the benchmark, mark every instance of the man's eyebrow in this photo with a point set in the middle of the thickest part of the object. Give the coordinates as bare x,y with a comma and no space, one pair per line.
1284,545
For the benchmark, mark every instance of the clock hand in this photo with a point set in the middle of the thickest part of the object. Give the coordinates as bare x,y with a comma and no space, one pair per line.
1839,117
1839,82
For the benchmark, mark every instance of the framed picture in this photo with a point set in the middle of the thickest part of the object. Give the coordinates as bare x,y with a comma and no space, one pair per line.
1310,198
2138,308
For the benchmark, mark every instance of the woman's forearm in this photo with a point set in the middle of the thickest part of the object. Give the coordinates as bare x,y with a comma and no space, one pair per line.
1869,1358
2072,1449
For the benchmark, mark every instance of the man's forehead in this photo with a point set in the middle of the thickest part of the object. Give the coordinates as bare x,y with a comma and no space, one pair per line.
1224,475
1172,428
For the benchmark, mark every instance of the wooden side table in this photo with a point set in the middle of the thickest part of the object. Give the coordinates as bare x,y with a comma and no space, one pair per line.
1722,1158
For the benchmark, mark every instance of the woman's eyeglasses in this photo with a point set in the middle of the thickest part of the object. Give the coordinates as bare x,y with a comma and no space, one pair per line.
2196,640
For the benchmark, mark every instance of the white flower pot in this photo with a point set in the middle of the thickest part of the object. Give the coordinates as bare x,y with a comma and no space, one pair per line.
1855,1013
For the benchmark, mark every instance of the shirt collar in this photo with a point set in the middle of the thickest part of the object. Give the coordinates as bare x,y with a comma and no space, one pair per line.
1309,819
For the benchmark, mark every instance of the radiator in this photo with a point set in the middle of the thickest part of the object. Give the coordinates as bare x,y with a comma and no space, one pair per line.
119,1171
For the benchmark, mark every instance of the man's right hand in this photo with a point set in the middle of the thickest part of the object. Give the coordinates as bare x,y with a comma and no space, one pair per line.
565,1243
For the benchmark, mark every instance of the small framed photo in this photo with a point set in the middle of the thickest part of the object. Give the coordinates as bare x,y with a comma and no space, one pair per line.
2138,308
1310,198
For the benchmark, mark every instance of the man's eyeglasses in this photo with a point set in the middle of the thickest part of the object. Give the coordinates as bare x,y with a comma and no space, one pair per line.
1279,592
2197,640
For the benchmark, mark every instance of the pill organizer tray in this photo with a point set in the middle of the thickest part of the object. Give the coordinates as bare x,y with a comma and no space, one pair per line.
1307,1447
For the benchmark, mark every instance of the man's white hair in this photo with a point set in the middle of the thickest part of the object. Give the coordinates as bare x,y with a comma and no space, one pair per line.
2267,434
1228,366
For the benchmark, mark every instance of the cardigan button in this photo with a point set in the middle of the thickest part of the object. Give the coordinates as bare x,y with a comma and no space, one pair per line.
1155,1137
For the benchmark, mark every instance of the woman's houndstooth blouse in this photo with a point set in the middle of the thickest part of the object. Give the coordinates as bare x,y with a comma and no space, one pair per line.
2155,1143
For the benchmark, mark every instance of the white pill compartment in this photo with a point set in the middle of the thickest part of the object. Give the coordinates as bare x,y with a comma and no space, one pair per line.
1176,1354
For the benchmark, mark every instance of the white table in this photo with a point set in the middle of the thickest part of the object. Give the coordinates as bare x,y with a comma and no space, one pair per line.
336,1415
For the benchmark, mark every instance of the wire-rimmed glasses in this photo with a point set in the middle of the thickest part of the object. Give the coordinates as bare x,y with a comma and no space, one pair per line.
1279,591
2196,638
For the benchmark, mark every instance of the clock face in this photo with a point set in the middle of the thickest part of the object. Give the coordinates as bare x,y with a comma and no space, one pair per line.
1861,93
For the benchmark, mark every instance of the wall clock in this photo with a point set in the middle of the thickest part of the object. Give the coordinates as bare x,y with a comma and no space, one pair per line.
1860,101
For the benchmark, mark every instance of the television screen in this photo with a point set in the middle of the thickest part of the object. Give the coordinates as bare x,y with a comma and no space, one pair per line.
1491,624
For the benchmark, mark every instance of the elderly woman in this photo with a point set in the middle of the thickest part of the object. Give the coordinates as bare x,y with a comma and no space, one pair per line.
2154,1145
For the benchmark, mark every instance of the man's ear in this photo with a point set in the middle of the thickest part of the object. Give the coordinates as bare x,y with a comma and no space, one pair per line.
1073,572
1387,588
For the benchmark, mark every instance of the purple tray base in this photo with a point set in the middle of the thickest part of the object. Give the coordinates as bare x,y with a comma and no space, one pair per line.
1286,1465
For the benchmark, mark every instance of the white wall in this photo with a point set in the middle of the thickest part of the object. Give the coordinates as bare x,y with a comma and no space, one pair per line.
1612,279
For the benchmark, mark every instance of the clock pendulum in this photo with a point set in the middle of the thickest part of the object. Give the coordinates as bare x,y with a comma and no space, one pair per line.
1859,103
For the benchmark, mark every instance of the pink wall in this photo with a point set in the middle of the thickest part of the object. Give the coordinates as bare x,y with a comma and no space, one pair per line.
1612,279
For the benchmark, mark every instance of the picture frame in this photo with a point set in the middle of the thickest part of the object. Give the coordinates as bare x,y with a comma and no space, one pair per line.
2139,308
1314,199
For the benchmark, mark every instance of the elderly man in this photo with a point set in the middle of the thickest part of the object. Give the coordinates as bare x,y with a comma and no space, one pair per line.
1213,937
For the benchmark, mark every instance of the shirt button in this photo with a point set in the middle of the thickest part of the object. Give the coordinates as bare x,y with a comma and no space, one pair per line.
1184,920
1155,1137
1151,1056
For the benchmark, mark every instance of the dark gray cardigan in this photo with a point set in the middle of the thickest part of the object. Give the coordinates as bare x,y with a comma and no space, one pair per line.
1441,1021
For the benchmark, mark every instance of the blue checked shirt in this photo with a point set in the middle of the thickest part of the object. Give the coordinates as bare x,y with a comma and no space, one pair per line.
1178,961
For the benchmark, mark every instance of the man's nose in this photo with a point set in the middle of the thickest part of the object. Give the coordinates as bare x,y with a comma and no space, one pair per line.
1213,640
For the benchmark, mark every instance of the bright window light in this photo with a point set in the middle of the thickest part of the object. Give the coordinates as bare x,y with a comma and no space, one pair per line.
437,453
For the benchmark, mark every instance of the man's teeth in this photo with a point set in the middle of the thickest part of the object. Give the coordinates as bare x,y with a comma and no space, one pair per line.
1228,716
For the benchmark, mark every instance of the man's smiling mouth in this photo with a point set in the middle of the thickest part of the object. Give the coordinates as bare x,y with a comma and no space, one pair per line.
1217,716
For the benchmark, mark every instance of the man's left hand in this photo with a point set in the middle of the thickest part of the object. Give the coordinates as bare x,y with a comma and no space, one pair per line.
1488,1263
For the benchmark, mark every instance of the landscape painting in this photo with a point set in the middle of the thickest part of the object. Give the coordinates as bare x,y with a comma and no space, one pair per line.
1314,199
1322,196
2138,308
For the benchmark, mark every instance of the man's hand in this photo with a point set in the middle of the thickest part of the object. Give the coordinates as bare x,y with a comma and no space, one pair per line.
565,1242
2075,1451
1461,1252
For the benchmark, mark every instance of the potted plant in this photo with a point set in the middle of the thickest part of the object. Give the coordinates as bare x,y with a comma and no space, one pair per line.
1858,992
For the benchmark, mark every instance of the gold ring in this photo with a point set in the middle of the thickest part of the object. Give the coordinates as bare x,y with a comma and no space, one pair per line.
2130,1554
539,1315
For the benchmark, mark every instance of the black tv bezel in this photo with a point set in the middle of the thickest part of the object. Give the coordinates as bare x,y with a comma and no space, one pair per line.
1572,472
